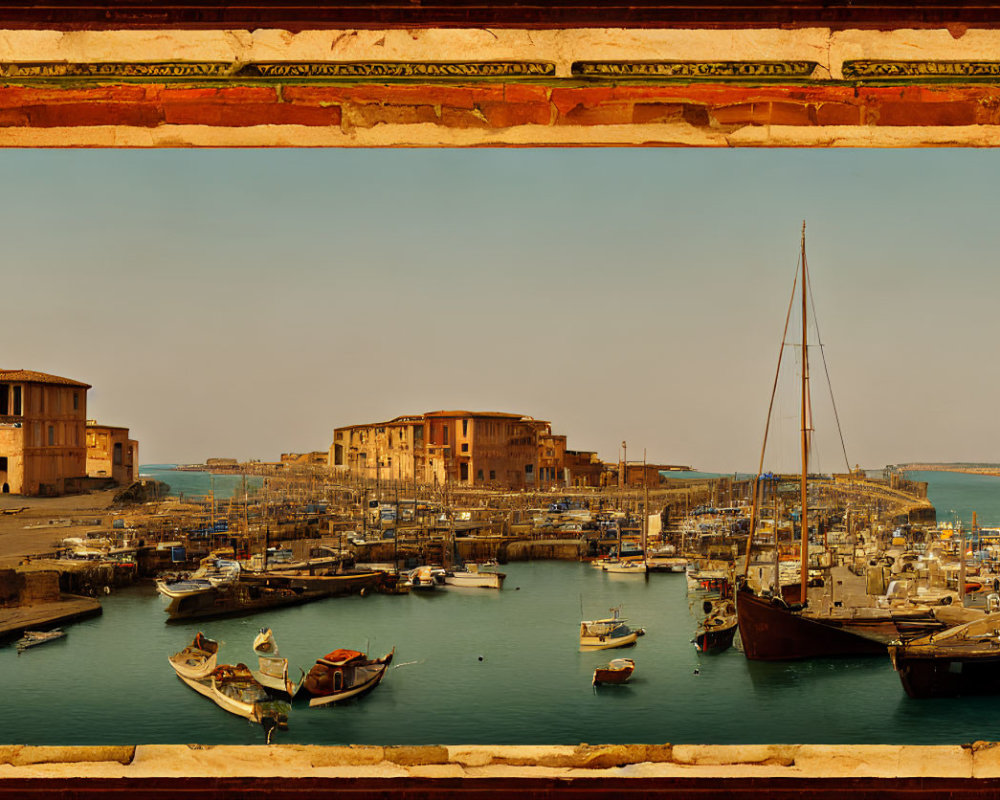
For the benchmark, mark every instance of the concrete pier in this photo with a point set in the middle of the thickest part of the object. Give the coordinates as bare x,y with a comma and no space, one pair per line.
44,616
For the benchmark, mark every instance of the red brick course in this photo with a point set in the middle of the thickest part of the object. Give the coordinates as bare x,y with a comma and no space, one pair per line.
500,106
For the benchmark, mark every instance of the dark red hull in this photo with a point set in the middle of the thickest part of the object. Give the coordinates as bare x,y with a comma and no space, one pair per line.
770,631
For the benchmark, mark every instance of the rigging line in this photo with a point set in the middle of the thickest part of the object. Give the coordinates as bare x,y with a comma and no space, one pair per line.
767,426
829,383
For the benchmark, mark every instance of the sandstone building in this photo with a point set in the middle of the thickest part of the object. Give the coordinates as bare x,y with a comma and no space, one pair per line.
42,441
468,448
47,444
111,454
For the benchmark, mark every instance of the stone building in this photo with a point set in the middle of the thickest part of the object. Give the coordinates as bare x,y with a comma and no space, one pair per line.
468,448
111,454
42,433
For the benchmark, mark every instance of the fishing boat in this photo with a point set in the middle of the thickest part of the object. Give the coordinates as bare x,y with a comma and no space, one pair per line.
963,660
608,633
716,631
234,689
475,575
272,672
617,671
252,593
213,572
34,638
343,674
198,659
776,624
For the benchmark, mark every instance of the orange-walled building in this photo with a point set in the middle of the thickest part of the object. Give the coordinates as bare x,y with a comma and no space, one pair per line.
42,439
469,448
111,454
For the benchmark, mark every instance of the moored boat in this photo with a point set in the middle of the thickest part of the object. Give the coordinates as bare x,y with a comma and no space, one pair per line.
343,674
963,660
608,633
426,578
716,631
627,567
33,638
617,671
198,659
272,672
252,593
475,575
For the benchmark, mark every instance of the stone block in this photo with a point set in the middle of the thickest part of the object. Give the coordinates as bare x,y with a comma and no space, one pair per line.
68,755
700,755
410,756
351,756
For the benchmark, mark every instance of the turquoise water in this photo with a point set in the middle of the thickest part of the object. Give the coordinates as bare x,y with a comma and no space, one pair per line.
472,666
485,667
956,495
198,483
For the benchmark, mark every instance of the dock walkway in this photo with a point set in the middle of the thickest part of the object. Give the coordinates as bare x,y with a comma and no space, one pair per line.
18,619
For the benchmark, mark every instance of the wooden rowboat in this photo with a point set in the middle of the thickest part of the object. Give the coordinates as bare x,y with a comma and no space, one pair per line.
618,670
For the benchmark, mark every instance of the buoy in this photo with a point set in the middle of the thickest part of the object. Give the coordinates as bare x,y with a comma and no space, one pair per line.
697,671
480,658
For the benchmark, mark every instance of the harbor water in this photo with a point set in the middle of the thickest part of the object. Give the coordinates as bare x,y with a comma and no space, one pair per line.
477,666
196,482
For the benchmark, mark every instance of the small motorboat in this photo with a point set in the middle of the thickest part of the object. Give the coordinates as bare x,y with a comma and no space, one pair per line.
197,660
475,575
426,578
617,671
343,674
604,634
273,669
626,567
32,638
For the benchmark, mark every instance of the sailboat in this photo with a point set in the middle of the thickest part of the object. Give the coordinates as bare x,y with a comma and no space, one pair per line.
777,625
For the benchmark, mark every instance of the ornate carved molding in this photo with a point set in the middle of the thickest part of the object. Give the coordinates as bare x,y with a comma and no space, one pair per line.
696,70
218,70
963,71
317,14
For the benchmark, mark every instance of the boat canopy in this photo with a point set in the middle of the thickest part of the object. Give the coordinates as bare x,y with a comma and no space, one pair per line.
340,656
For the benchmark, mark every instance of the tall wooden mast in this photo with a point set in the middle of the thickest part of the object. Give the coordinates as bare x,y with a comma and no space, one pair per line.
804,571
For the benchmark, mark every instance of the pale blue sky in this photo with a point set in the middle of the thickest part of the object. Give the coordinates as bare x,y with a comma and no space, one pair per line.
245,302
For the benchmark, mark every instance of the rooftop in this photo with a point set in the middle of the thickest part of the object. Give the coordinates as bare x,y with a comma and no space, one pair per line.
30,376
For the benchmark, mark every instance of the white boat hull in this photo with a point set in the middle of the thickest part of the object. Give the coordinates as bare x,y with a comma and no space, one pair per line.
485,580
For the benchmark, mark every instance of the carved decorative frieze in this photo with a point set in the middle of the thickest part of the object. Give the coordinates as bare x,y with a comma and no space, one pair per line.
922,70
321,70
696,70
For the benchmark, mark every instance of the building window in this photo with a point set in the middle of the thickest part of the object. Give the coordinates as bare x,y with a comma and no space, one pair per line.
76,401
117,460
465,427
52,434
479,475
464,471
445,434
465,447
529,468
493,474
16,402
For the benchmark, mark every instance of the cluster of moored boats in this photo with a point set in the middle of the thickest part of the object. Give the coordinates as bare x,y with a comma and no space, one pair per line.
265,695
